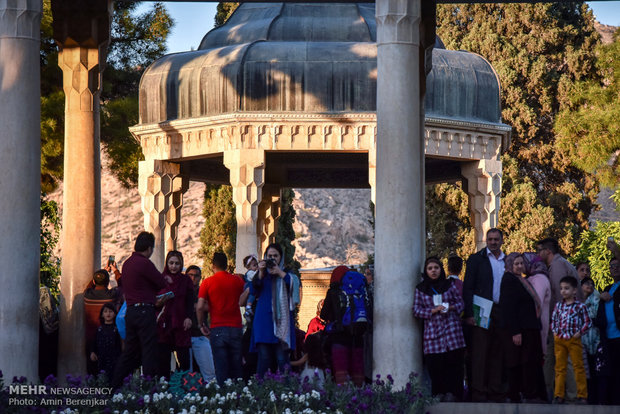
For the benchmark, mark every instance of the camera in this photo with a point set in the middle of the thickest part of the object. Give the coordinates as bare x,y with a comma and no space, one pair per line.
270,263
110,260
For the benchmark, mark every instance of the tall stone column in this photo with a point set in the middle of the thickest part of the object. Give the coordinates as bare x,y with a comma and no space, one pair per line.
82,32
399,234
20,186
161,187
484,187
247,177
268,213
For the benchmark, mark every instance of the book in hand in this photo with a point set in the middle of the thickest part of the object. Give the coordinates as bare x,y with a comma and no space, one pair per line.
482,311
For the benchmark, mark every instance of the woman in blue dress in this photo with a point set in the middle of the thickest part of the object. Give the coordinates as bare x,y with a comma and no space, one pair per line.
277,294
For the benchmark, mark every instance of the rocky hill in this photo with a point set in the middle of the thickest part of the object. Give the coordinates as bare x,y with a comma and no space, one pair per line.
332,226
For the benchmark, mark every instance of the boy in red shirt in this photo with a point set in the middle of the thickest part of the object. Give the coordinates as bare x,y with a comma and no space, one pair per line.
219,295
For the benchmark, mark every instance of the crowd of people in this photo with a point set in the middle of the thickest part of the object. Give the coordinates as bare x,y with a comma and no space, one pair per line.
518,327
523,327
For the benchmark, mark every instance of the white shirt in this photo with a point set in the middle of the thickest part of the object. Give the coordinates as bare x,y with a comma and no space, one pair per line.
497,265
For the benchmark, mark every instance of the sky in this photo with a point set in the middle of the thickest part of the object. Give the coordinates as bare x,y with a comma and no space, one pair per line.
193,20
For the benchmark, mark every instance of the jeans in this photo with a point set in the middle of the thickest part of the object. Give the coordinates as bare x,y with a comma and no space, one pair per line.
140,344
563,349
270,355
201,349
226,347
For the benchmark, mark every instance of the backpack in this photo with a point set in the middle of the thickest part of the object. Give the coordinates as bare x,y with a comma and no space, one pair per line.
354,305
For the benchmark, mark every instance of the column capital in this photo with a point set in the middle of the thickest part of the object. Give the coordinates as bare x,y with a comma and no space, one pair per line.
20,19
396,19
161,187
483,187
82,33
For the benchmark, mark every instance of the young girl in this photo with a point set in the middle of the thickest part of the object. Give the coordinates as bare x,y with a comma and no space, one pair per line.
107,345
438,303
251,264
313,359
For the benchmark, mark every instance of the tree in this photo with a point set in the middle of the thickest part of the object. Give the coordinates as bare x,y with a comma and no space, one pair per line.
593,249
588,128
49,264
219,232
224,11
539,51
285,233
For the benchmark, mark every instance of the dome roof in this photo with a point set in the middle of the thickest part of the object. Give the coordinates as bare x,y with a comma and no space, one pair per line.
303,57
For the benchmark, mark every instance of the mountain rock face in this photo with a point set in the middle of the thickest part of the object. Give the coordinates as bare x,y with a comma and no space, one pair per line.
332,226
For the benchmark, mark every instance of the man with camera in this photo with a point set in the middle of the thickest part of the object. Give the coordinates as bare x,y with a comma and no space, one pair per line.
219,295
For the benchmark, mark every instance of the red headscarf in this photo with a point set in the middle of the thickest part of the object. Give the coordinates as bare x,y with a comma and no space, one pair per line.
338,273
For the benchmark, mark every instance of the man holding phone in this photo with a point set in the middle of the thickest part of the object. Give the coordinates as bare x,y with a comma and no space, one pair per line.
141,283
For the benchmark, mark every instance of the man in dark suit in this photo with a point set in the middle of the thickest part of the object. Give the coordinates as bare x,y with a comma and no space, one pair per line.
483,278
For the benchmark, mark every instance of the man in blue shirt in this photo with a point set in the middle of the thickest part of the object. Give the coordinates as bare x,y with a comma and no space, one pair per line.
608,321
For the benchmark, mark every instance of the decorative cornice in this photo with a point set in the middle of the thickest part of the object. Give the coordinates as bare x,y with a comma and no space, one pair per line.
355,132
20,19
398,21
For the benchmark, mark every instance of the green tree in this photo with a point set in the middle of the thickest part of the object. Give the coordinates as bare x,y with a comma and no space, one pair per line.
219,232
539,51
285,233
588,128
593,249
49,264
224,10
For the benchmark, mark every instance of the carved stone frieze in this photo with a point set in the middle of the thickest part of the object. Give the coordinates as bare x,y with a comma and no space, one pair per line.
176,140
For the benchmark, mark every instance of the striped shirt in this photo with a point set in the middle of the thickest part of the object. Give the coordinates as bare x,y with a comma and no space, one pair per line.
570,319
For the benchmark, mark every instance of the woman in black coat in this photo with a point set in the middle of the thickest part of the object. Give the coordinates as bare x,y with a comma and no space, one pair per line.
521,308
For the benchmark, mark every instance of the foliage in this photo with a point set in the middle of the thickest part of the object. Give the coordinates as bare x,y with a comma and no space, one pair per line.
588,128
273,394
136,41
539,51
219,232
49,264
285,233
224,11
593,249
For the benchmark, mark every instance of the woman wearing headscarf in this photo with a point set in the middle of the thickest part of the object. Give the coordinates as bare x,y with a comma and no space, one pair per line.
175,320
538,276
438,303
273,329
521,311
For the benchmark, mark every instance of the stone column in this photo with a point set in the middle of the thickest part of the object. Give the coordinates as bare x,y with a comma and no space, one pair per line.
247,177
400,217
268,213
20,186
484,187
82,32
161,187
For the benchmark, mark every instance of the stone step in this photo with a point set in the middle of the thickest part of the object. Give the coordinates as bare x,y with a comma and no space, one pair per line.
495,408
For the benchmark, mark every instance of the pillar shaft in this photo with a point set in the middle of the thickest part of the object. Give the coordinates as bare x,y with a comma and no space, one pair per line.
400,217
20,158
247,177
161,187
81,30
484,187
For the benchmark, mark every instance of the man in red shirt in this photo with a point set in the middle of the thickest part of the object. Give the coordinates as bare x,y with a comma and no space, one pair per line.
219,294
140,283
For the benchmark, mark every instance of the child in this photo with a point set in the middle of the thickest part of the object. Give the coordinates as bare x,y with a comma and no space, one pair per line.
251,264
313,359
569,322
107,346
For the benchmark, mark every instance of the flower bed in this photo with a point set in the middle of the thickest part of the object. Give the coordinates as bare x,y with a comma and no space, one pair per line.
186,394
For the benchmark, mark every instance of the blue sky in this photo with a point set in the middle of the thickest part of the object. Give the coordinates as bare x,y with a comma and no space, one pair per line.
194,20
